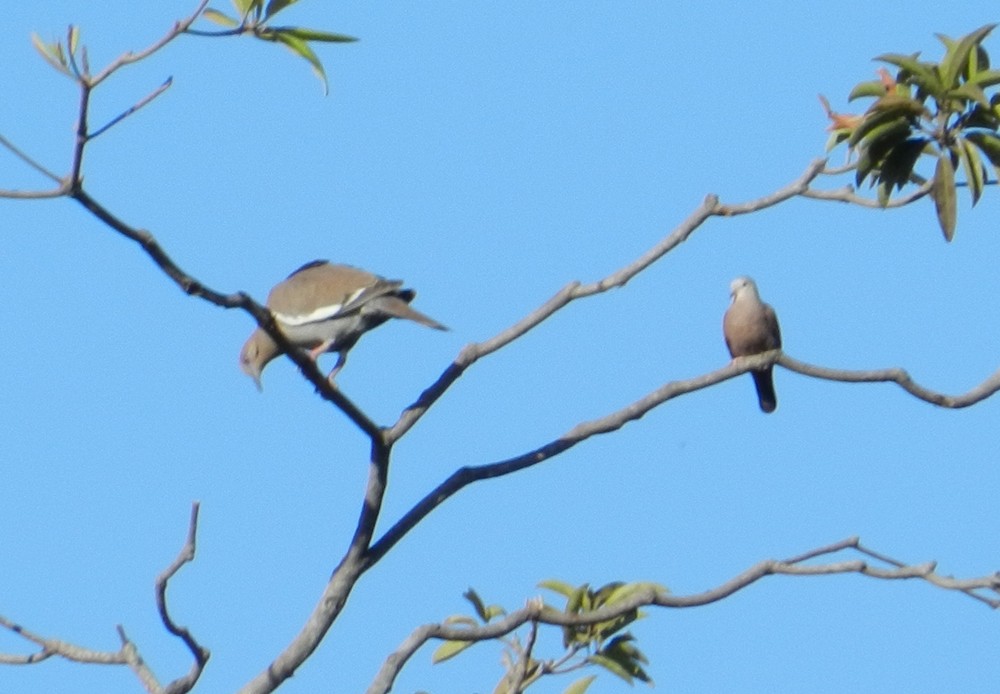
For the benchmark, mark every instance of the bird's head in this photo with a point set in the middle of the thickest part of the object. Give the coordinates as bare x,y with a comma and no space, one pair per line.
742,285
257,351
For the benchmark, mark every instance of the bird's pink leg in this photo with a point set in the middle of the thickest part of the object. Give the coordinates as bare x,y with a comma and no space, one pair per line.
341,360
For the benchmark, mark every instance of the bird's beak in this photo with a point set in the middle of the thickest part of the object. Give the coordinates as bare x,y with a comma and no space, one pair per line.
256,382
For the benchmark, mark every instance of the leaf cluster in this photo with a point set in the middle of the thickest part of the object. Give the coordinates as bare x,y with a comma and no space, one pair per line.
600,643
70,58
253,17
938,110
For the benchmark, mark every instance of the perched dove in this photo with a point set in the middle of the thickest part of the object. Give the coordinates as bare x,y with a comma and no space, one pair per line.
750,327
324,307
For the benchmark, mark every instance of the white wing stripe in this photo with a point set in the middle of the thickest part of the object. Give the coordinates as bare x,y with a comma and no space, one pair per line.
321,313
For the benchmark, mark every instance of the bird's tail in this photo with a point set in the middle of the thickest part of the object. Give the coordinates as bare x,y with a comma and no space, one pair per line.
398,308
764,381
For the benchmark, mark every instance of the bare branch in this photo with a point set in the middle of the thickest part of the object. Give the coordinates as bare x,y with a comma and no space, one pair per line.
524,661
847,194
20,154
132,109
536,612
128,58
80,142
62,191
128,654
636,410
575,290
55,647
137,664
341,583
899,376
201,654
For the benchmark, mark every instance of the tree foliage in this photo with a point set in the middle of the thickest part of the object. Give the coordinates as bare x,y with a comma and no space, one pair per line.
943,111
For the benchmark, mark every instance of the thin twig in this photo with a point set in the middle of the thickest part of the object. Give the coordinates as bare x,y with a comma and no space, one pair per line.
128,58
138,105
525,660
200,653
900,377
847,194
55,647
136,663
29,161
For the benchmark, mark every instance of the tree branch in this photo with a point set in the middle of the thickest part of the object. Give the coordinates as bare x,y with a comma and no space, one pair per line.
340,585
54,647
129,57
132,109
899,376
191,286
847,194
636,410
128,654
20,154
201,654
535,611
709,207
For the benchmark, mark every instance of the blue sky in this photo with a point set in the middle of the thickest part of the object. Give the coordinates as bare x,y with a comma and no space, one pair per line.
489,153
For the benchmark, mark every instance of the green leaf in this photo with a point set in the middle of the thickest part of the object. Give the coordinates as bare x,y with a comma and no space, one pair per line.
943,192
609,628
896,103
621,592
969,92
581,685
862,89
836,138
485,613
316,35
979,117
885,136
244,7
477,603
627,656
888,108
988,144
611,665
627,590
302,49
579,600
276,6
52,53
449,649
219,18
73,39
972,166
601,596
897,166
985,78
556,586
883,191
957,57
923,74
